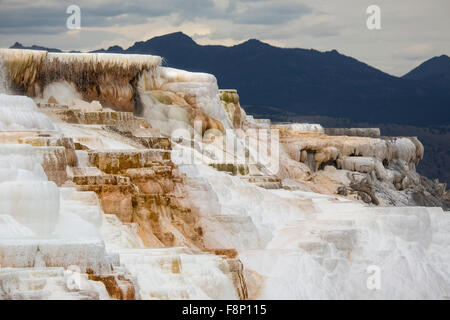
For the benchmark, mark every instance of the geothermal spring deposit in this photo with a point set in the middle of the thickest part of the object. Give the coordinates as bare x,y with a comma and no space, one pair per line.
124,179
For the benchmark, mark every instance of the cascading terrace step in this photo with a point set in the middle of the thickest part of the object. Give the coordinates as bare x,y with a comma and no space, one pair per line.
264,181
116,161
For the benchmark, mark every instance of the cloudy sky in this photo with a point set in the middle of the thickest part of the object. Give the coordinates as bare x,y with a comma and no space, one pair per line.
411,30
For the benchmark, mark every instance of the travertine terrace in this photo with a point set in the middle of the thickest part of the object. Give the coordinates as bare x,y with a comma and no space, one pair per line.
116,183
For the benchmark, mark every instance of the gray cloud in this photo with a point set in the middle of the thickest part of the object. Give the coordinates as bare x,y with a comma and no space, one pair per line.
269,13
38,19
94,14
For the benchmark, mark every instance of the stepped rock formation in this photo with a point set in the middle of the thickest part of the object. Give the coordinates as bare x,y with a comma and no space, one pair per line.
124,179
378,170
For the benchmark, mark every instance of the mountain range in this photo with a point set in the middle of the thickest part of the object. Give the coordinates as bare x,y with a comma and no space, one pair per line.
435,70
309,82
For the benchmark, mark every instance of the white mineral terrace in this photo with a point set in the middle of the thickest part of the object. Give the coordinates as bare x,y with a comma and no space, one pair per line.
293,243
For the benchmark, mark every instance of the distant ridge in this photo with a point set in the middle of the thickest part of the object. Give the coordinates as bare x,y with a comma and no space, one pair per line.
430,68
435,70
18,45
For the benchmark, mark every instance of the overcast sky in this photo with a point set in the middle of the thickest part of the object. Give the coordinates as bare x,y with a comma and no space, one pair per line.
411,30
